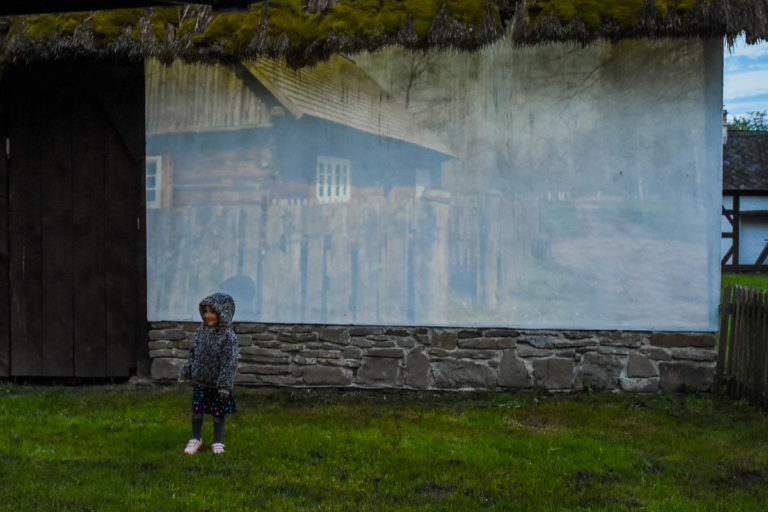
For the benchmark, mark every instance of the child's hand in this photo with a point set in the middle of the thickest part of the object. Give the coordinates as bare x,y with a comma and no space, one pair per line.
223,395
180,380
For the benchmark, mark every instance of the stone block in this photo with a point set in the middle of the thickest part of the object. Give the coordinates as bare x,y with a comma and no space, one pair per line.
405,342
400,333
267,343
164,325
304,361
247,353
681,339
376,371
337,335
657,354
598,370
574,343
614,350
579,335
538,341
346,363
321,354
262,369
501,333
268,380
366,331
525,350
640,366
352,353
513,373
486,343
457,374
264,336
169,352
650,385
624,339
296,336
167,334
394,353
244,340
159,345
267,360
423,338
361,342
693,354
440,353
417,369
318,375
443,338
677,375
475,354
184,344
553,373
249,328
165,368
468,333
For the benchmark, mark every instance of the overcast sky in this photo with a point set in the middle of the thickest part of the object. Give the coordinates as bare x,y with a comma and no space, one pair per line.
746,78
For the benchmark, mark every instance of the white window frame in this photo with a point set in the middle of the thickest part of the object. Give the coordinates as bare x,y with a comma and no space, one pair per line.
157,162
332,179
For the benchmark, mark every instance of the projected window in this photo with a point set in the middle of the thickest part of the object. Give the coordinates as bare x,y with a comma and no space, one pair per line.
332,180
154,176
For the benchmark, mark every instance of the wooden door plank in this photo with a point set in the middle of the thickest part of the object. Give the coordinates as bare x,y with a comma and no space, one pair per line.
125,270
25,241
89,329
5,297
55,189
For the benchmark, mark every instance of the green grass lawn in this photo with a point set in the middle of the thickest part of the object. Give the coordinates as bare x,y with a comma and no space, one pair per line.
759,281
120,448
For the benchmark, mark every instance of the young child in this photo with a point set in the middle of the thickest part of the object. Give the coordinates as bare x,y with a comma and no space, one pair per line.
211,366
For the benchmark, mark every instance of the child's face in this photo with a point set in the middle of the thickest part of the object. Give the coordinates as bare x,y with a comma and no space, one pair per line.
210,316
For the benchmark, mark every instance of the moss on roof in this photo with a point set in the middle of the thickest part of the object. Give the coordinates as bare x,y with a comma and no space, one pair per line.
304,35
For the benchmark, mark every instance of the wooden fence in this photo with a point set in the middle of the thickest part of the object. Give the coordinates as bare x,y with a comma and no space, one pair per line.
742,353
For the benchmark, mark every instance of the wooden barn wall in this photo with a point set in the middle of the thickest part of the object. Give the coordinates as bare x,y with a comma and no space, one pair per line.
76,219
5,296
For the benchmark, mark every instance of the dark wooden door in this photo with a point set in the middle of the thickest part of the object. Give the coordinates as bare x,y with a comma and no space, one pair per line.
76,291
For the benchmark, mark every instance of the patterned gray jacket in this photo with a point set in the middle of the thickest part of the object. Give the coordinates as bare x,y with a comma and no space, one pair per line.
213,352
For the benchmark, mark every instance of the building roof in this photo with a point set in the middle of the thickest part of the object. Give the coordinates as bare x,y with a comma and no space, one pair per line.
339,91
194,97
308,31
745,161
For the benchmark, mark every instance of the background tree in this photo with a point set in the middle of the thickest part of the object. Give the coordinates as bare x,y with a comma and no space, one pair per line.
751,121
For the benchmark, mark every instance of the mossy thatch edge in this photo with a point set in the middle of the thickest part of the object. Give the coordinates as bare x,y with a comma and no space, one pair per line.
304,32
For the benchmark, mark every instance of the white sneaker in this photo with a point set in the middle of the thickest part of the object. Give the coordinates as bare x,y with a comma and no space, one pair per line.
217,448
192,446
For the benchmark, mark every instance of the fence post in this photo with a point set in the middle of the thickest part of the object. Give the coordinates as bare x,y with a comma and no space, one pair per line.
724,338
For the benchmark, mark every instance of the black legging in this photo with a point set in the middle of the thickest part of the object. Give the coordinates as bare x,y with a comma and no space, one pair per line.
219,425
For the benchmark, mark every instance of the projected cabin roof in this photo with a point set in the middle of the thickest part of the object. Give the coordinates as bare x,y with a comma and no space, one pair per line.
309,31
241,95
340,92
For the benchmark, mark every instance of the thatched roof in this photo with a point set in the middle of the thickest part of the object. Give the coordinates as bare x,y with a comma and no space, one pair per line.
307,31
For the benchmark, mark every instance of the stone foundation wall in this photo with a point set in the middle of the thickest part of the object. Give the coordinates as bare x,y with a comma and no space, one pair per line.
450,358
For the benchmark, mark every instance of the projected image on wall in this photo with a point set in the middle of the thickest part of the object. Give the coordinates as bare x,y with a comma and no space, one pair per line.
525,188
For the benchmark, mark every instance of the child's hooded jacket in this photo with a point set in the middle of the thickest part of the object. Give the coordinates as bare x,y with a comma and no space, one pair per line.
213,353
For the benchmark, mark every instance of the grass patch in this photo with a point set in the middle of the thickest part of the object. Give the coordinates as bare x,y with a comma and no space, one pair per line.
759,281
119,448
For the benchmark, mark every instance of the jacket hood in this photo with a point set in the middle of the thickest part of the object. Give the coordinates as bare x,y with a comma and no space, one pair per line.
223,305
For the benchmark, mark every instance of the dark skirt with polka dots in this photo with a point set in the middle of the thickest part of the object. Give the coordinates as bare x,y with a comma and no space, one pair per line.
207,401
